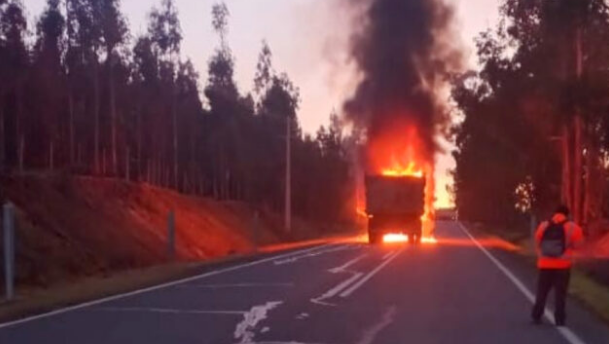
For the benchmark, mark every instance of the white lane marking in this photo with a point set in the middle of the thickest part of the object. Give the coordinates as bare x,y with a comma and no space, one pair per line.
371,333
343,285
322,303
238,285
245,330
334,291
371,274
388,255
302,316
290,342
347,265
165,310
157,287
569,335
311,255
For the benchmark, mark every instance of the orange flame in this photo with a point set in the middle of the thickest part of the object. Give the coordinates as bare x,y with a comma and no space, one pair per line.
404,171
361,212
399,152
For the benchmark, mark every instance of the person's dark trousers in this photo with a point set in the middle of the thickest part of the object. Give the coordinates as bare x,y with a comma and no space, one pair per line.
557,279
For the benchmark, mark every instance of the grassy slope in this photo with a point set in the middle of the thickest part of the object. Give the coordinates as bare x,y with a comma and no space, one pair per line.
70,228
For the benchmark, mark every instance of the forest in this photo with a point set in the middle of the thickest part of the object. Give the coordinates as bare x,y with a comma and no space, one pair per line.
535,129
81,95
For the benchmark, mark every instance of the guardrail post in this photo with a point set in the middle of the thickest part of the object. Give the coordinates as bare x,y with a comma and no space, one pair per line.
9,250
171,233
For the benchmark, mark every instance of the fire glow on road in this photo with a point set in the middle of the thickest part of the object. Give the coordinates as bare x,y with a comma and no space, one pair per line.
393,238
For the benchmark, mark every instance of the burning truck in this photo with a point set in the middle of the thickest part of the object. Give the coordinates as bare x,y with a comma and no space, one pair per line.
399,204
404,53
395,206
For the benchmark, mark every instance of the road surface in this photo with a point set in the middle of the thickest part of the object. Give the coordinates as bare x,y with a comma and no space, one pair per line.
453,292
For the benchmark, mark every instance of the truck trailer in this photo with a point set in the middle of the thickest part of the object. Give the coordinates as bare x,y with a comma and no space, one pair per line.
394,205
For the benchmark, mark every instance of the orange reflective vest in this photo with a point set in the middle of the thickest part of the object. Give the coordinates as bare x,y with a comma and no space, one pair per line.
574,235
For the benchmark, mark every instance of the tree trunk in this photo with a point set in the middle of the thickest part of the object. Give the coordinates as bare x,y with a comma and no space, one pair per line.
79,154
96,129
51,155
112,98
71,113
148,170
577,171
127,164
175,137
21,153
140,161
578,149
590,174
20,131
103,162
2,138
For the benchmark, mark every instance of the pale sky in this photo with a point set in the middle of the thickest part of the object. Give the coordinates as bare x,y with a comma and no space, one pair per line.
308,41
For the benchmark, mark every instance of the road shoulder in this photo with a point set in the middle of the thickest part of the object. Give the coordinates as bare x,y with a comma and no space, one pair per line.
587,298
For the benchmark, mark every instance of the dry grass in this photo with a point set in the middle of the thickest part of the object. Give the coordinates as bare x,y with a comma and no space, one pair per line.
593,294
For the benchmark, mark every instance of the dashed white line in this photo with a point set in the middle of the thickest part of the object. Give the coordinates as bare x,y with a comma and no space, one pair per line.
340,287
388,255
569,335
158,287
165,310
348,264
239,285
368,276
296,258
337,289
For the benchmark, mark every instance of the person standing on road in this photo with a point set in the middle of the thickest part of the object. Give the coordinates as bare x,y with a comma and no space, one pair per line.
555,240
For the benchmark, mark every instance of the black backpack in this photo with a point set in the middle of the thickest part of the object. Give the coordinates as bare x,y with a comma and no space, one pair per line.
554,241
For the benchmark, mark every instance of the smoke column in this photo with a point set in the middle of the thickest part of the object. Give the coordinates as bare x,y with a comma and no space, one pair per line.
403,50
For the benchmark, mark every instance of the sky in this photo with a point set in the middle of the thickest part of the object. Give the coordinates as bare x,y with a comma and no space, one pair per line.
309,41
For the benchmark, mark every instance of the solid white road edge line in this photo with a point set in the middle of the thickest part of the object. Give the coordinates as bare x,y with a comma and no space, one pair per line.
157,287
239,285
166,311
569,335
368,276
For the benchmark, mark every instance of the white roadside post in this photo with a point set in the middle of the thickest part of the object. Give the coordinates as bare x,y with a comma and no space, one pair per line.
9,250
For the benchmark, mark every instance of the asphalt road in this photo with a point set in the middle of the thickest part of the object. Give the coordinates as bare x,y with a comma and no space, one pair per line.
452,292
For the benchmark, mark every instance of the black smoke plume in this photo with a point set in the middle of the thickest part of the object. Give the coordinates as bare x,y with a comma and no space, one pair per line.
404,49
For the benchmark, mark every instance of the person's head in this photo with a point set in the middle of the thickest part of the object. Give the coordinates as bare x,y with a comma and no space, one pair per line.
562,209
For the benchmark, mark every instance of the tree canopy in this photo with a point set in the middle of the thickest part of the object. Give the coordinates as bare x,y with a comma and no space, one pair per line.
82,96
